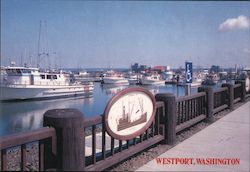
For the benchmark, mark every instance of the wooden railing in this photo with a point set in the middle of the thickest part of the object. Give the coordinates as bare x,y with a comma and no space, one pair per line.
21,140
248,94
221,99
237,93
190,110
62,146
115,151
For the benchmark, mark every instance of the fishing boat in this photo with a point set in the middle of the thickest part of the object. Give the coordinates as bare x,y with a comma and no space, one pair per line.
111,77
134,79
168,76
152,79
20,83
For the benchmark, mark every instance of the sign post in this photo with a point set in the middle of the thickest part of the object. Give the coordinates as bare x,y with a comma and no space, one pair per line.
189,77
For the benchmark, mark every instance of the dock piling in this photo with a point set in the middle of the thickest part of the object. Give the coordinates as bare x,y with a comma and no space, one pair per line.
210,101
243,89
230,94
170,117
68,124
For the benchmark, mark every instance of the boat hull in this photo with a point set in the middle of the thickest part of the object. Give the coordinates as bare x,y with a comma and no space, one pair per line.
152,82
9,93
115,81
133,81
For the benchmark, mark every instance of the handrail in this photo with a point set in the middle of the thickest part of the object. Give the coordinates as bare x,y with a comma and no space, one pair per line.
237,85
27,137
159,104
220,89
98,119
183,98
92,121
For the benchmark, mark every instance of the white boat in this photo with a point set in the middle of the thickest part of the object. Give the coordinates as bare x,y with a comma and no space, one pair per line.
153,79
114,78
168,76
134,79
21,83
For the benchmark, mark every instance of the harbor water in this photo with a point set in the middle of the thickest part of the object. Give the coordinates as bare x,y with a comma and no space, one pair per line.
28,115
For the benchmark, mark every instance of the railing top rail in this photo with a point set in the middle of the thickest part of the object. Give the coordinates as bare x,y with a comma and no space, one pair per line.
220,89
92,121
26,137
183,98
98,119
159,104
237,85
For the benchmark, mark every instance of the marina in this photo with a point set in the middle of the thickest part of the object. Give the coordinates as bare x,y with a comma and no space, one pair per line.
117,85
26,115
27,93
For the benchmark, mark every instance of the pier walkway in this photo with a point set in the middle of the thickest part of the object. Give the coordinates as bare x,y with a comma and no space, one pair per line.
225,140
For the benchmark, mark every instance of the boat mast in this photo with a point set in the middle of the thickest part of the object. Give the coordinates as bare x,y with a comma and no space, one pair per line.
42,48
38,47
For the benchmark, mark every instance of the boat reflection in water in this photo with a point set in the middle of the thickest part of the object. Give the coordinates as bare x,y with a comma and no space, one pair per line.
28,115
24,116
111,89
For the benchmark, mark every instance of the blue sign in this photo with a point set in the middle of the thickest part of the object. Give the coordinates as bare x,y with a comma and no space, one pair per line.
189,72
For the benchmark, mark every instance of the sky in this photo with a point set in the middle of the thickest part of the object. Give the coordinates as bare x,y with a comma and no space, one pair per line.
91,34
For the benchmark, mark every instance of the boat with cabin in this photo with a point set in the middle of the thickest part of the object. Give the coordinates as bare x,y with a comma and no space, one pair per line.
152,79
111,77
21,83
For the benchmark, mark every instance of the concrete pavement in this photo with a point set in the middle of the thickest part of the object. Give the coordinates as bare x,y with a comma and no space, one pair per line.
222,146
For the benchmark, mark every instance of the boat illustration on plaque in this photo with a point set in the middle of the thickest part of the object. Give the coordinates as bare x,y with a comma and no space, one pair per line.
126,122
129,113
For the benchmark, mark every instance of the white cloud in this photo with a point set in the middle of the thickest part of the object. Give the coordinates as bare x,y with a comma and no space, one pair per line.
241,22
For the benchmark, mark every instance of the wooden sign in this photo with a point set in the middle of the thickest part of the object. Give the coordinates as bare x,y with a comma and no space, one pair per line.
129,113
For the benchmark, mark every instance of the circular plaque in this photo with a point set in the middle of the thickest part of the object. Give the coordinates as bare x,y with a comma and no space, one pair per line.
129,113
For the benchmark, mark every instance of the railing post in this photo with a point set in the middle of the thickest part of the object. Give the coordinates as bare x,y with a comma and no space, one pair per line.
170,117
209,103
68,124
243,89
230,95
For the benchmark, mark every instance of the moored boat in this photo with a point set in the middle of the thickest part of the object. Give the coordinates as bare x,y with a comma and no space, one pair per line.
20,83
112,77
152,79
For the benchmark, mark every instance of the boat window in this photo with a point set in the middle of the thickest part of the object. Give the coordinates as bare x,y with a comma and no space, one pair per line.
54,77
42,76
49,77
25,71
11,71
18,71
